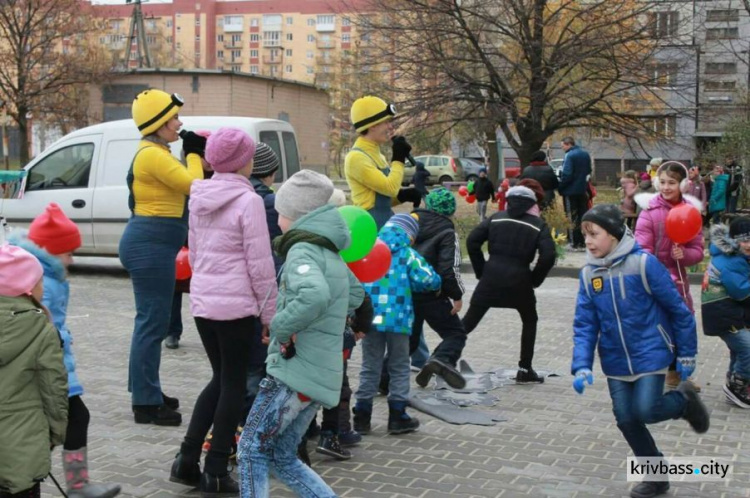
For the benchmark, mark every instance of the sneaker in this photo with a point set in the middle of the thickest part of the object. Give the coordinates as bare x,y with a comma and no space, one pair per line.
172,342
528,376
157,415
695,411
737,392
350,438
437,367
329,445
649,489
211,485
185,472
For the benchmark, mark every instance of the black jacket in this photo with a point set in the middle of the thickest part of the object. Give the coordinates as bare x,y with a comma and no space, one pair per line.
545,175
512,244
735,179
437,242
483,189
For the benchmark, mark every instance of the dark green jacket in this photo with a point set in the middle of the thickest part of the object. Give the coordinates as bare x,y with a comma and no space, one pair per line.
33,393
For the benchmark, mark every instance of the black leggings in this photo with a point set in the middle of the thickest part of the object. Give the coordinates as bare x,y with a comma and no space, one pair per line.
336,419
227,345
78,424
527,309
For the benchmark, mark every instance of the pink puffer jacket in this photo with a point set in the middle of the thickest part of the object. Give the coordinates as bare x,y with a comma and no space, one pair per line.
650,232
230,251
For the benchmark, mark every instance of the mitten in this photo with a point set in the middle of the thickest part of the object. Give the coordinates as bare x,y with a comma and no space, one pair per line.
409,194
363,316
401,149
686,366
192,143
582,375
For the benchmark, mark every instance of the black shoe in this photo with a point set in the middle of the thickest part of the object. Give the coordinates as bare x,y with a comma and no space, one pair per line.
156,414
695,411
737,391
399,422
171,342
329,445
437,367
172,403
302,453
185,472
350,438
362,421
649,489
528,376
211,485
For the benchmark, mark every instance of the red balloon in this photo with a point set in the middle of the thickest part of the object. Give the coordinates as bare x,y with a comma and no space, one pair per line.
182,265
463,191
471,198
374,266
683,223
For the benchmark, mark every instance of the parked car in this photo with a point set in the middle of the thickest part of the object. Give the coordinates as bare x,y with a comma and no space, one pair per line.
441,169
471,168
557,165
85,171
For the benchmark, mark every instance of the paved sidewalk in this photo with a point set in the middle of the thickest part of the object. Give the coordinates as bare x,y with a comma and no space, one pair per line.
555,442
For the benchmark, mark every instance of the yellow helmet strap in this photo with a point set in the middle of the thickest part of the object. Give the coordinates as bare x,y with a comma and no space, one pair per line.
389,110
177,100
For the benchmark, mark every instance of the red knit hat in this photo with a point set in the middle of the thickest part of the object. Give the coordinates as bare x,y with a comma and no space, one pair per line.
54,231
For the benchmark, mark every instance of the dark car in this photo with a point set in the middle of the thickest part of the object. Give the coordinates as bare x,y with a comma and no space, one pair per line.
471,168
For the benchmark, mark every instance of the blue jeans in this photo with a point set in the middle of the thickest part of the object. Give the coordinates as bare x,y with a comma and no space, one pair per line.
739,352
175,319
269,441
373,351
422,353
148,249
642,402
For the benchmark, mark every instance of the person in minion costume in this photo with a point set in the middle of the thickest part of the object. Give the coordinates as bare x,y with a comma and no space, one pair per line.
375,183
159,185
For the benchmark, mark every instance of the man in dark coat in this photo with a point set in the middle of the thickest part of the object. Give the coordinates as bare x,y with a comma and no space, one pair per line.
734,191
573,187
539,170
484,192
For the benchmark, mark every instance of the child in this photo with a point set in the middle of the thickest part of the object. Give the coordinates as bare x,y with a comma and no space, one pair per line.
233,287
437,242
650,232
629,187
33,380
697,187
628,305
420,179
52,238
646,185
484,192
305,364
507,280
717,203
392,325
725,303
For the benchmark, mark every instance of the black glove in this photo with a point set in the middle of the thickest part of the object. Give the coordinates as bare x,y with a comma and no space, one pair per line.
288,350
409,194
192,143
401,148
363,316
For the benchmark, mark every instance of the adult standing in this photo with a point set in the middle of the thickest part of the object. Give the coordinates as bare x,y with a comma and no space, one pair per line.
374,183
484,192
734,190
697,188
159,185
540,170
573,187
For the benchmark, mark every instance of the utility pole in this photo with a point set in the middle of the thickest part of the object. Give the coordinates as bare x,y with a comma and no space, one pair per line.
137,35
6,152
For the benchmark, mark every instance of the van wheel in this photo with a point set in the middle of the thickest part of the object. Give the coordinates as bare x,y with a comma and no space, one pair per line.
445,178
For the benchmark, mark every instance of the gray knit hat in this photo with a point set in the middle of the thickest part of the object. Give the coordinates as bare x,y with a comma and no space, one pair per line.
609,217
265,161
304,192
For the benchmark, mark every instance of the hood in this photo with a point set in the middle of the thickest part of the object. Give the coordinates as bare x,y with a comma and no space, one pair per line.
208,196
15,333
651,201
394,237
626,246
431,224
326,222
52,265
261,188
721,242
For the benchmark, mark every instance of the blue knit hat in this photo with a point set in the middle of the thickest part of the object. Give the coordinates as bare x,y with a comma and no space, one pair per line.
405,222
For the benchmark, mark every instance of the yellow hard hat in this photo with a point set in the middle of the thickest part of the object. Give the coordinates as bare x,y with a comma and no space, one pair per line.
153,108
368,111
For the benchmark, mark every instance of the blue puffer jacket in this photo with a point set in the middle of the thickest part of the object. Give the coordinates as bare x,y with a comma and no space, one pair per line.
628,303
56,295
575,171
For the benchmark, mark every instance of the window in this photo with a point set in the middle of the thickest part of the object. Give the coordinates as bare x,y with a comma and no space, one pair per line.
722,33
664,74
178,45
236,69
272,22
345,21
289,21
290,151
63,169
271,38
236,55
179,29
197,38
253,69
310,70
197,21
255,37
311,22
274,70
664,24
220,54
236,38
601,133
151,24
289,37
254,22
719,86
253,54
366,36
233,23
220,38
326,19
346,38
114,25
169,23
721,68
726,15
288,68
309,54
662,126
288,52
310,38
169,39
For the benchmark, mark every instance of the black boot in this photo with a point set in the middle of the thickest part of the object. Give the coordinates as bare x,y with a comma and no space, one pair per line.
224,485
362,418
302,453
528,376
695,411
171,402
156,414
649,489
186,470
399,422
437,367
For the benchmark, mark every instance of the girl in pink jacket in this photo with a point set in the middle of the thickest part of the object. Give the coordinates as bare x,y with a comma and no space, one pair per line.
232,287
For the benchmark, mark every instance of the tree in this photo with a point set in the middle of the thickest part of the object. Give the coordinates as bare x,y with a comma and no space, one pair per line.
47,56
531,68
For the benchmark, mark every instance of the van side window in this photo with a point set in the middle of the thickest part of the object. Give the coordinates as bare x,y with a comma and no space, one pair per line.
292,156
64,168
271,138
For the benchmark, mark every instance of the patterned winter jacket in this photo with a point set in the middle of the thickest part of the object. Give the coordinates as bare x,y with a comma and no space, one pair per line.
392,294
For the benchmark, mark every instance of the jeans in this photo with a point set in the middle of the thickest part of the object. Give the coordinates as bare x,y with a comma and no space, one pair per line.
739,352
642,402
269,442
148,249
175,318
732,203
575,207
421,354
482,210
373,351
436,311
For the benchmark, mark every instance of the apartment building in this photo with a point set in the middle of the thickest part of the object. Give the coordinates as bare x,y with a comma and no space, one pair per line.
286,39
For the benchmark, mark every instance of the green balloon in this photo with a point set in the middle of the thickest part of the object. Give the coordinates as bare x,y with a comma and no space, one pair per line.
470,187
363,231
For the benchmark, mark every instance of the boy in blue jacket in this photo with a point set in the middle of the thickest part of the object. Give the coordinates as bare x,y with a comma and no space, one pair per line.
725,303
628,304
392,325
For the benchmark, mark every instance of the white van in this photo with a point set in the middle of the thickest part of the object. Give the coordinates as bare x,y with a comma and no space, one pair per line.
84,172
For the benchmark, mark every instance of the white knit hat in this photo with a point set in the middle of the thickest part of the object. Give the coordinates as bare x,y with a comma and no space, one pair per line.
304,192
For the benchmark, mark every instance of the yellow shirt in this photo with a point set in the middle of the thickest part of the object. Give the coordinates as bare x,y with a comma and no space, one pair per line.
161,182
365,178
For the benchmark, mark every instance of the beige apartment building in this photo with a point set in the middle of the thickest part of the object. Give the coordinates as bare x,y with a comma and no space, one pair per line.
286,39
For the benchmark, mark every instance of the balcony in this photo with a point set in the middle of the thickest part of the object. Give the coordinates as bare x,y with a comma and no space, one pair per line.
325,44
232,44
324,61
271,27
267,59
272,43
235,27
325,27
